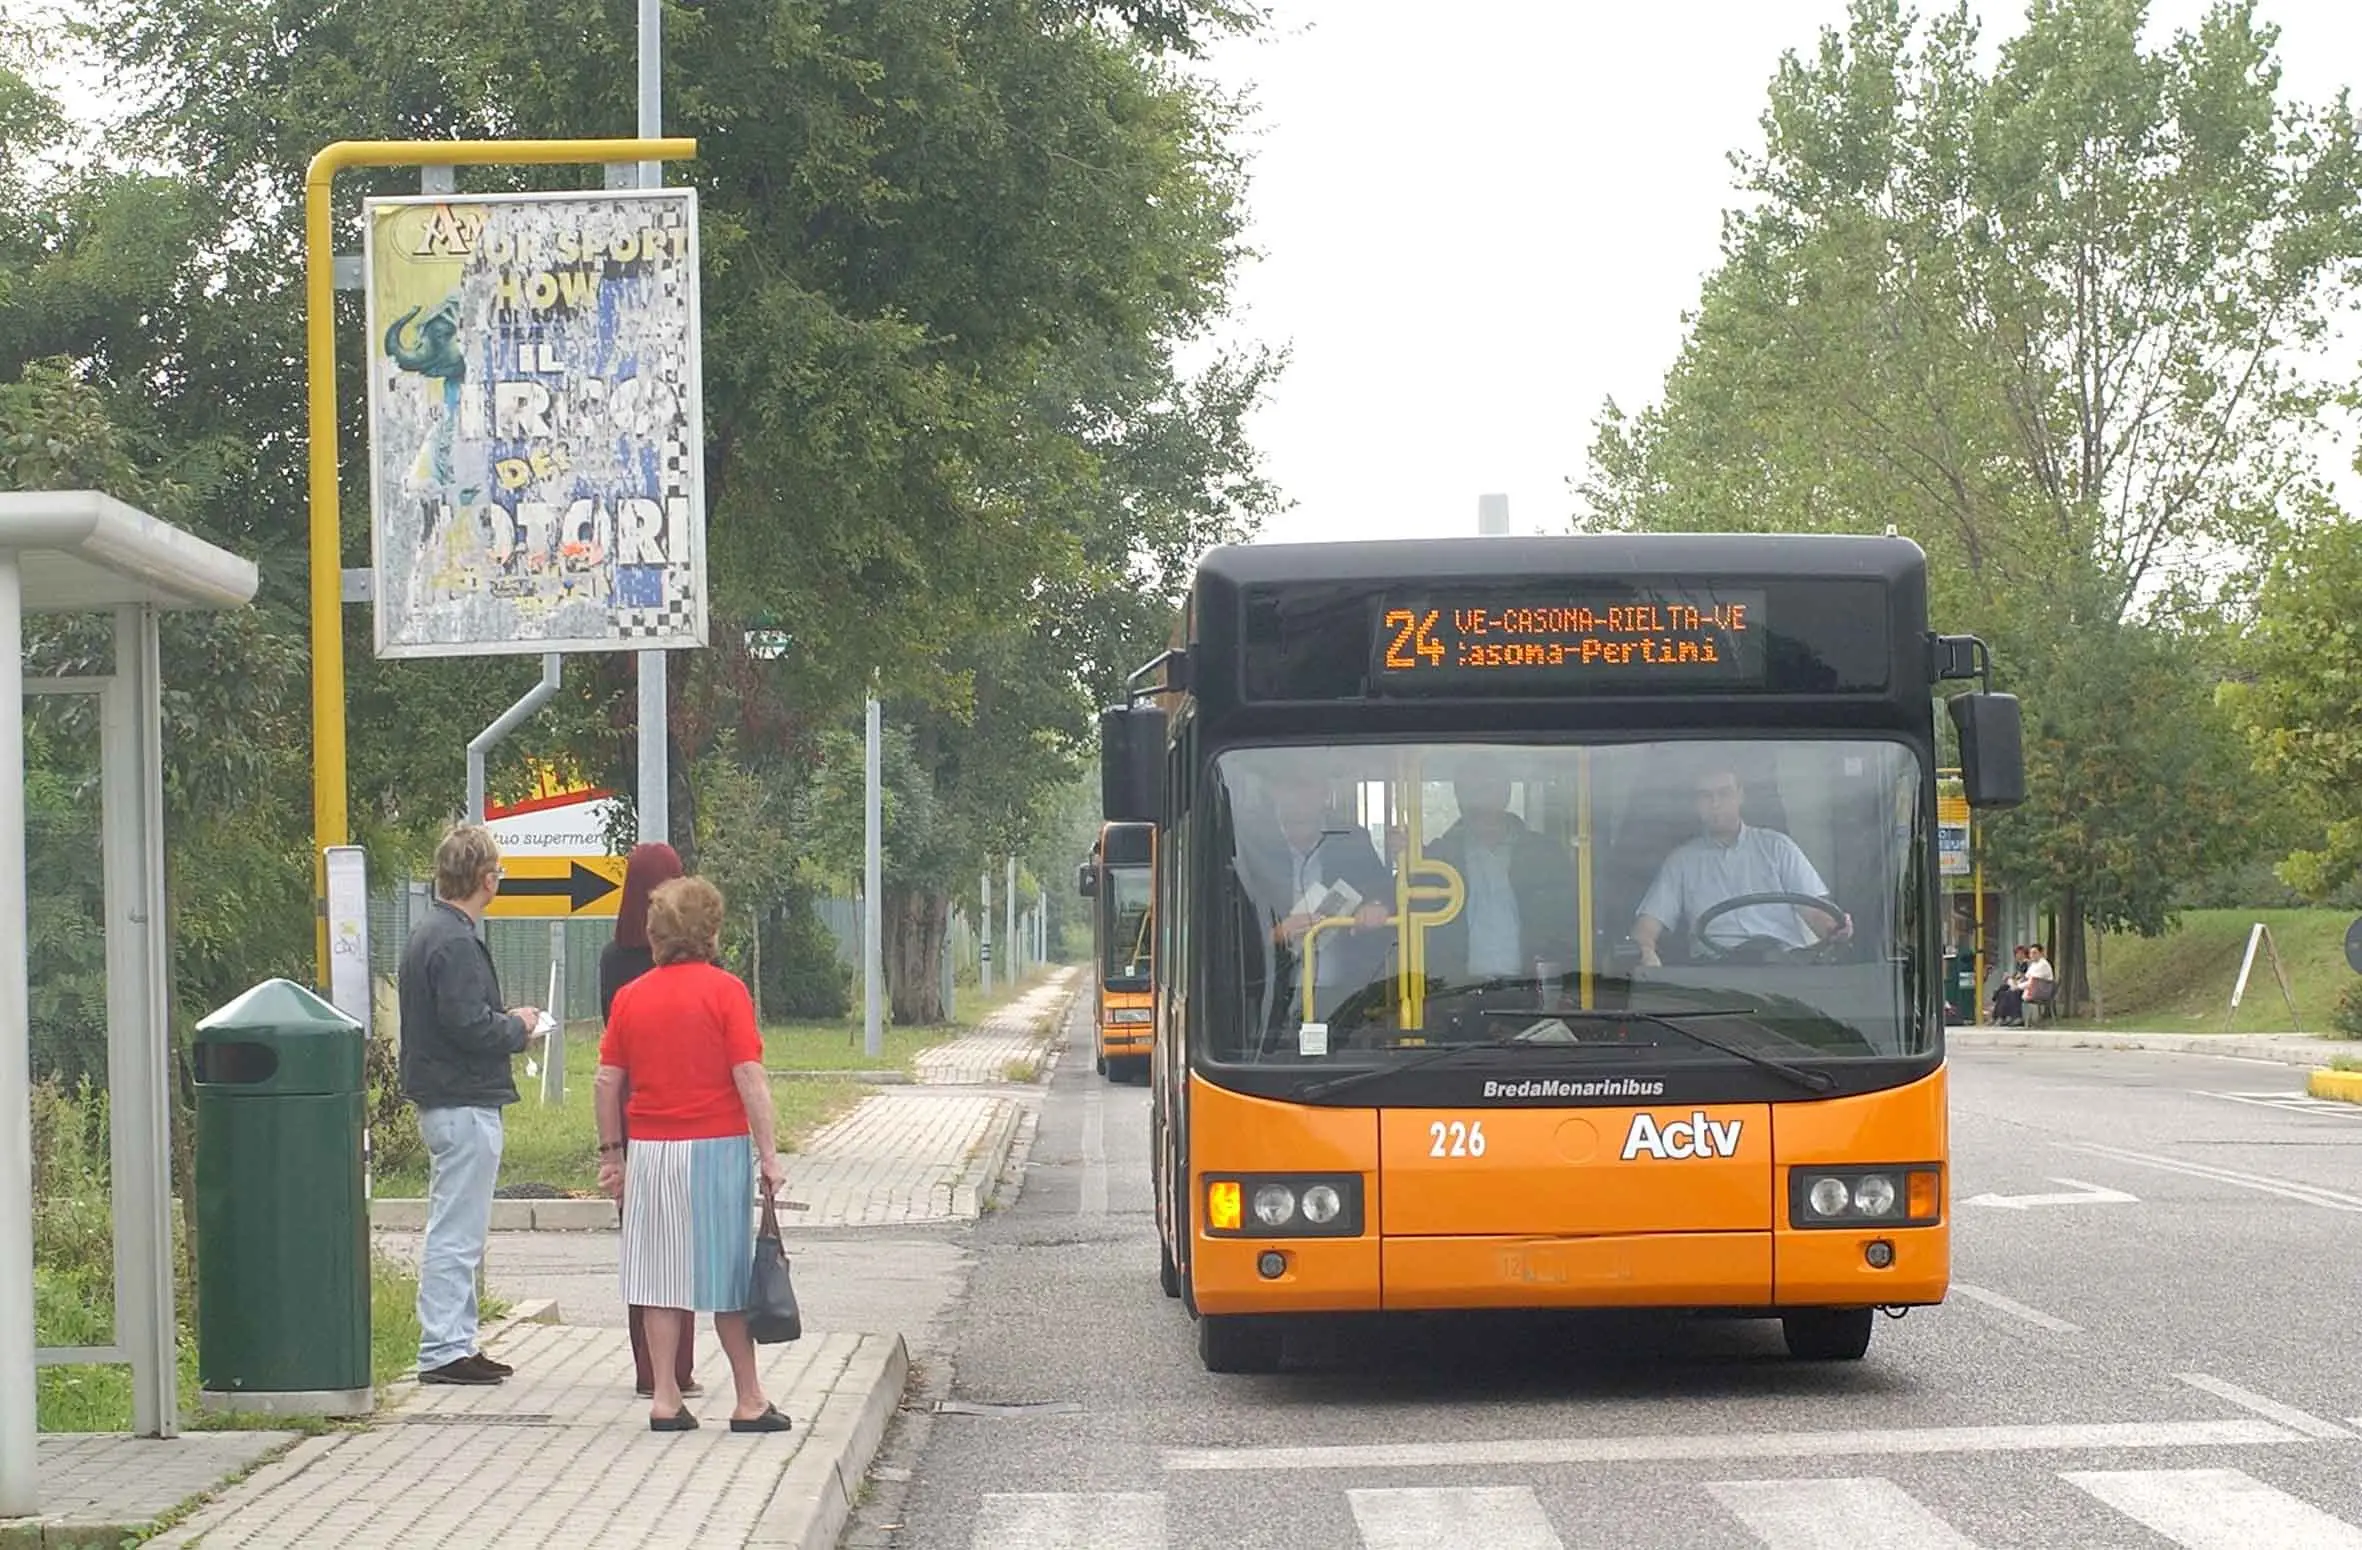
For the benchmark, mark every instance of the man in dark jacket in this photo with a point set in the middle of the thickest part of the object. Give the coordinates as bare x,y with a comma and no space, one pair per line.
457,1044
1517,918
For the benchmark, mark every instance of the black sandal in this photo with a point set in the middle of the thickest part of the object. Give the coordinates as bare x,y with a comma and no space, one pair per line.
678,1421
771,1420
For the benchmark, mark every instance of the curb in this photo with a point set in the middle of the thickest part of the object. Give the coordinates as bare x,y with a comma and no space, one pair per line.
395,1213
2294,1049
814,1500
2343,1086
532,1310
981,1182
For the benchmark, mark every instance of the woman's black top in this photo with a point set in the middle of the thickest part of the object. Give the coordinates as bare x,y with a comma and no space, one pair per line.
619,966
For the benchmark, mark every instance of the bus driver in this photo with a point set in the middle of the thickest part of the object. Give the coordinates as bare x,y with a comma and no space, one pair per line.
1732,858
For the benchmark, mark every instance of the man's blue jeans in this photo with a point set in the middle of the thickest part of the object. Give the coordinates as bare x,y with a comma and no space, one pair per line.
463,1167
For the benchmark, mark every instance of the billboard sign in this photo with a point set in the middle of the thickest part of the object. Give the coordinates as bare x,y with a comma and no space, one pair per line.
535,423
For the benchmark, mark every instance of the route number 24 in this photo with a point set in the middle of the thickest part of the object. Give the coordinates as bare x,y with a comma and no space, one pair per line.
1456,1139
1411,639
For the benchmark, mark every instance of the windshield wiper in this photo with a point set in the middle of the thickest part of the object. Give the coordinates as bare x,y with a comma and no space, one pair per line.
1338,1084
1802,1076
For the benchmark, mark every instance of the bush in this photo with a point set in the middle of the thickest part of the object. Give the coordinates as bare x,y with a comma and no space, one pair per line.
803,978
2347,1017
394,1141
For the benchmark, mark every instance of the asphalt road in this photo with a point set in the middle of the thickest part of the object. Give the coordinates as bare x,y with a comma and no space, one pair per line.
2157,1363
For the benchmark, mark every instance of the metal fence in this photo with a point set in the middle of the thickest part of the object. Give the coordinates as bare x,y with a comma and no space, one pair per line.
522,949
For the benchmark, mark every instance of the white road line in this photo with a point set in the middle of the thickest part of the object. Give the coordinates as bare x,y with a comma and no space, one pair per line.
1071,1520
1091,1199
1446,1518
1737,1445
2294,1103
2310,1194
1836,1515
2270,1409
2016,1309
2216,1509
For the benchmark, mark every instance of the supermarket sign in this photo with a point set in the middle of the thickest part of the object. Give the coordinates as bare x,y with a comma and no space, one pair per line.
561,814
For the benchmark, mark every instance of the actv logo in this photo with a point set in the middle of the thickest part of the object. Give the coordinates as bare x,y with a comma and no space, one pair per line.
1683,1139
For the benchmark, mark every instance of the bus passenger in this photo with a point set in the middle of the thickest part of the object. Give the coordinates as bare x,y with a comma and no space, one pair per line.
1517,919
1730,859
1312,849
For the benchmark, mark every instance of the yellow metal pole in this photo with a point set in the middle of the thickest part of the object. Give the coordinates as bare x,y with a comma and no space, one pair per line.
331,821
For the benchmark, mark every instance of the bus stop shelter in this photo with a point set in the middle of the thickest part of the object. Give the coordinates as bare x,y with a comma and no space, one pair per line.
81,552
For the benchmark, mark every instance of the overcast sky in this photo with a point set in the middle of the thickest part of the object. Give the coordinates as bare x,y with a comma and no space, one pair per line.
1480,220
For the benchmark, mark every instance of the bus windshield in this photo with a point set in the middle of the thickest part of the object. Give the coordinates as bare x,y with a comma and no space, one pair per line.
1123,901
1377,900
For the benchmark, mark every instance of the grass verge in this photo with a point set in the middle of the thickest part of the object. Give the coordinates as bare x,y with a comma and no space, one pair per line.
2181,982
553,1148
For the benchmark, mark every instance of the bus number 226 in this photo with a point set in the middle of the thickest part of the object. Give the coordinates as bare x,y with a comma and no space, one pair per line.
1411,639
1456,1139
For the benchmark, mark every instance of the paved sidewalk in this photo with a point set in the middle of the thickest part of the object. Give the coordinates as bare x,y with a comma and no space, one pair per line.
2290,1049
910,1155
1016,1036
96,1487
561,1455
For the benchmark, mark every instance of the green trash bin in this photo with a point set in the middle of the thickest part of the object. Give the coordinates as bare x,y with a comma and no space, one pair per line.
282,1229
1960,985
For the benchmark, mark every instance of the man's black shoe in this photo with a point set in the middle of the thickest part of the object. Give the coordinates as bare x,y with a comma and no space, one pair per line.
466,1370
497,1369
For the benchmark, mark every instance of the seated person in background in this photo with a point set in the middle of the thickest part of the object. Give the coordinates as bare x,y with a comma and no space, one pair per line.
1730,859
2009,1000
1517,920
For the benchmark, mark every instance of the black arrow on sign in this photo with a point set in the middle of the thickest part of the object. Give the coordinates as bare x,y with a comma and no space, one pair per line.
581,887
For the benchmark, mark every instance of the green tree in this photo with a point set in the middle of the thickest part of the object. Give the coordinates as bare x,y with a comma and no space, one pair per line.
2298,698
2040,318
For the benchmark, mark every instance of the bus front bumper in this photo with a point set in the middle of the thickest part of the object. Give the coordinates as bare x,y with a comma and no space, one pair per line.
1718,1270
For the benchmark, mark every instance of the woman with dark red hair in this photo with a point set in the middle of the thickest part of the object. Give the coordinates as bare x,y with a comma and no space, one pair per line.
624,960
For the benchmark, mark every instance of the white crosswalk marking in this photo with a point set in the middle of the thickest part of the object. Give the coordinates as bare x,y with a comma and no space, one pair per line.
2216,1509
1071,1520
1446,1518
2196,1509
1836,1515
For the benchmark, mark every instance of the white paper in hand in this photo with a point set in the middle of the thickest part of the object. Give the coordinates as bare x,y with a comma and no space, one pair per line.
1329,901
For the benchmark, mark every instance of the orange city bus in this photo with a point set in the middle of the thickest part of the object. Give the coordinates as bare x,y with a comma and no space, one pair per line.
1553,923
1118,879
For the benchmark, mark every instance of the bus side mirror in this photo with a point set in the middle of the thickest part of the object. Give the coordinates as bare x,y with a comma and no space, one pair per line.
1086,881
1132,763
1992,748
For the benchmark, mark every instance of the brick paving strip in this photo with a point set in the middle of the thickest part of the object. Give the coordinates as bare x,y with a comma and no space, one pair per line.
561,1455
100,1488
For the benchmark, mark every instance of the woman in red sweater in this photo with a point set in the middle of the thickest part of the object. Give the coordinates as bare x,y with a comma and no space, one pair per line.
625,959
682,1039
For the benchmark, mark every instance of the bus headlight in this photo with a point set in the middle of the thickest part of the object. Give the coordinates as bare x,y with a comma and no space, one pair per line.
1283,1205
1274,1205
1903,1195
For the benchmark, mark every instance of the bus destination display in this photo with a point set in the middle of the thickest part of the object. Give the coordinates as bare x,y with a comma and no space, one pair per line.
1664,636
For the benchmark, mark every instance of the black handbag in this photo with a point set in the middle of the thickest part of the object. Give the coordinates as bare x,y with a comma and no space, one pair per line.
772,1316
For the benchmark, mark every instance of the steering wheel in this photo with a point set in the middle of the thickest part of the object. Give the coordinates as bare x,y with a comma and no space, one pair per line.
1761,949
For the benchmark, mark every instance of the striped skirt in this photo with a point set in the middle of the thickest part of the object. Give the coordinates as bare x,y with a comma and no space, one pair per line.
688,1224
